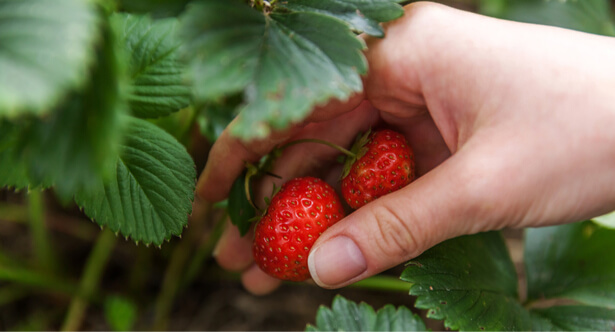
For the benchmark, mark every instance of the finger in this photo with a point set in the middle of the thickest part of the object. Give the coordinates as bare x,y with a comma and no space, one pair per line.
397,227
258,282
229,154
234,252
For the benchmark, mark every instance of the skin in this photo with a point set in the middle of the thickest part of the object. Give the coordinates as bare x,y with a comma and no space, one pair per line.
511,124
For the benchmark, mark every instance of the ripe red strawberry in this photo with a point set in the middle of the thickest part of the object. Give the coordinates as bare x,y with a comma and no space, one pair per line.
297,215
384,163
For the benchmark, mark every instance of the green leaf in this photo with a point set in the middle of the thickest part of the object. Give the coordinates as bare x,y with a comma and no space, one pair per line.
120,313
179,125
76,143
156,8
361,15
241,211
573,318
284,64
158,87
571,261
13,169
46,49
215,116
470,282
607,220
149,196
592,16
346,315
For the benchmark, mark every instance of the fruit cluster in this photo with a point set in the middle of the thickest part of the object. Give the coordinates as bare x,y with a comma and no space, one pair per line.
381,162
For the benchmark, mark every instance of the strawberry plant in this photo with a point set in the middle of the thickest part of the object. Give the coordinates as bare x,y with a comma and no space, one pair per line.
107,108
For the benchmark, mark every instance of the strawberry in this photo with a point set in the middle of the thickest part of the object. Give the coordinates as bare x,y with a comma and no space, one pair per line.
384,163
297,215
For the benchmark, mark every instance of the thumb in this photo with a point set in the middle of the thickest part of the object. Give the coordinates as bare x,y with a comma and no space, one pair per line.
400,226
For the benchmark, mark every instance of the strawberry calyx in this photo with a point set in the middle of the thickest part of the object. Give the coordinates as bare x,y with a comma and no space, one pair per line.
358,150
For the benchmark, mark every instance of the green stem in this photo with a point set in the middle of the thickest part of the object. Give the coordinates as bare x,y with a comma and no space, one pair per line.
383,283
43,251
140,270
318,141
170,285
186,129
33,279
204,251
377,282
174,274
90,279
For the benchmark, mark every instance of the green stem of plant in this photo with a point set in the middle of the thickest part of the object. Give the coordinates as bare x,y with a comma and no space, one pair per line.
43,250
90,279
204,251
186,129
170,285
383,283
318,141
140,270
173,276
377,282
35,279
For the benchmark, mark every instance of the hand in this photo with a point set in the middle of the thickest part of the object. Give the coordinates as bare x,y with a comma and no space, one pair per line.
511,125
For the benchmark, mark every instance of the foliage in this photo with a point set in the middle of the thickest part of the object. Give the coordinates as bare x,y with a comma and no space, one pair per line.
592,16
120,313
47,48
346,315
68,118
148,195
471,283
98,99
236,49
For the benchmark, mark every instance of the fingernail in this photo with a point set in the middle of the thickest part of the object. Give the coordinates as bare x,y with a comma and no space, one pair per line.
336,261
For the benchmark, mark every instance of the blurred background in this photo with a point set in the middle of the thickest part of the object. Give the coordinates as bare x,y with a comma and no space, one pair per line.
59,270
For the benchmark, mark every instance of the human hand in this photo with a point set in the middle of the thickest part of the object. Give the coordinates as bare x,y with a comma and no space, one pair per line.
511,125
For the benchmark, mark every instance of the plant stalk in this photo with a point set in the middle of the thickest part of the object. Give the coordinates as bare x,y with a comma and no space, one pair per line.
34,279
383,283
170,284
174,273
90,279
204,251
43,250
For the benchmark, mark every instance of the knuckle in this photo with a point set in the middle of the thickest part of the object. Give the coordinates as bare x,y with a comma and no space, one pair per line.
394,236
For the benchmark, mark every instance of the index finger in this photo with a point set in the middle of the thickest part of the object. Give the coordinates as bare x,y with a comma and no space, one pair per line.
229,154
